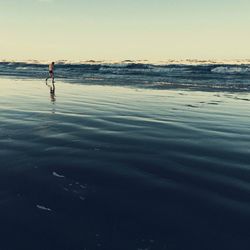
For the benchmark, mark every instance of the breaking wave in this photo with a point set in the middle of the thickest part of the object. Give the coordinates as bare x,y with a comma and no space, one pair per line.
200,75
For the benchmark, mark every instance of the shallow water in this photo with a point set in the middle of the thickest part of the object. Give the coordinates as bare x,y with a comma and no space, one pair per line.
102,167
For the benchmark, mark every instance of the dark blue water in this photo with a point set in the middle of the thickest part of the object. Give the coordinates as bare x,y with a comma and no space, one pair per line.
100,167
230,77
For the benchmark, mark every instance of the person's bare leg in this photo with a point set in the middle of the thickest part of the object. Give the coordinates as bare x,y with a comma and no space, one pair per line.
52,77
48,77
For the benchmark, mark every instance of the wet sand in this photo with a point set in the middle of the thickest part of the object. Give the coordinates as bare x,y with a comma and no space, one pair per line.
102,167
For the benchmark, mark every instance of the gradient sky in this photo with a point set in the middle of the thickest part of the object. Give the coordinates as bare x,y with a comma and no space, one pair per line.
124,29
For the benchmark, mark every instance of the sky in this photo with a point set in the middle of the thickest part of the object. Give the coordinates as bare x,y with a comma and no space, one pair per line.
152,30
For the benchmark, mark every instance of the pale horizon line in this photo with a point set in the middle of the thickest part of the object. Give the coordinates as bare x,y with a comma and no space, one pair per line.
113,61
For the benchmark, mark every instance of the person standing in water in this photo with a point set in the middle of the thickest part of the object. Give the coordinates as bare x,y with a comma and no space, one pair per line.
51,72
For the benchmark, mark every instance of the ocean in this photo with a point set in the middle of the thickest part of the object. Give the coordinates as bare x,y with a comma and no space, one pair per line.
125,156
195,75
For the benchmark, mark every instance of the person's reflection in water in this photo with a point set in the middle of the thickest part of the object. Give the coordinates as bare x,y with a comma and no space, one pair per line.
52,89
52,95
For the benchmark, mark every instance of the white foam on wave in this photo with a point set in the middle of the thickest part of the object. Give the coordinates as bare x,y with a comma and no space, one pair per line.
230,70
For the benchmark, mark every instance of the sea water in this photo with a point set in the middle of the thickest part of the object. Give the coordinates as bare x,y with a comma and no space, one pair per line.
124,162
199,75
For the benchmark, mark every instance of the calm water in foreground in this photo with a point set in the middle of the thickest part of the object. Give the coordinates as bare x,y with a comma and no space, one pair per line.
104,167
